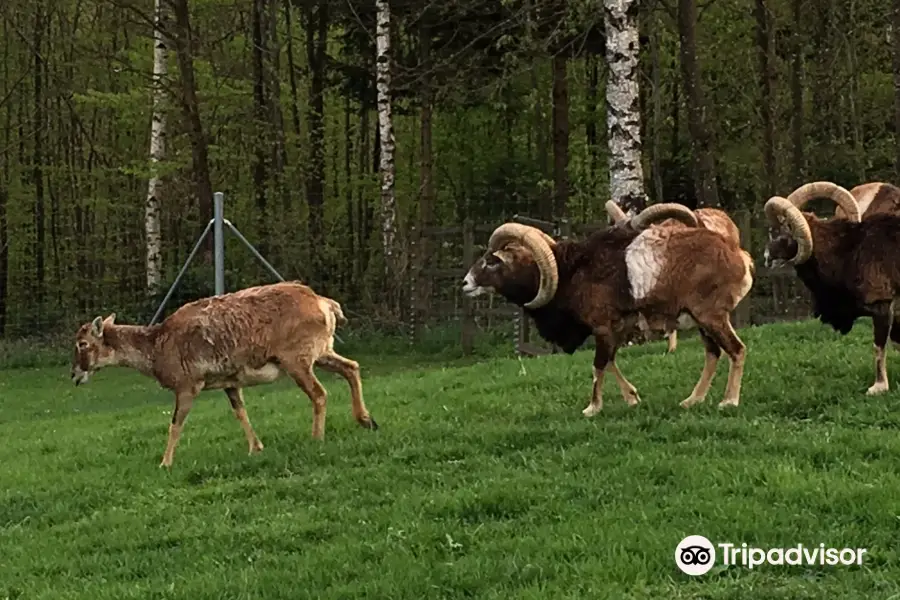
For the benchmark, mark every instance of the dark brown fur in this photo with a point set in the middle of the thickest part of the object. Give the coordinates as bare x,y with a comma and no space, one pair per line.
854,272
229,342
594,295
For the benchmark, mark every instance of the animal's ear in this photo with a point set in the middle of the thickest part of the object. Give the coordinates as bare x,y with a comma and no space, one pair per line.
97,327
111,319
504,255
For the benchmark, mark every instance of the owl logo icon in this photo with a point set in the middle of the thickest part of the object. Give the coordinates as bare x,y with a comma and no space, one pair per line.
695,555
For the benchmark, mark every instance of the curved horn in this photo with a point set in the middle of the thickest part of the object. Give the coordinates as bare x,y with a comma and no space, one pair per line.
541,247
615,214
781,212
663,211
513,232
826,189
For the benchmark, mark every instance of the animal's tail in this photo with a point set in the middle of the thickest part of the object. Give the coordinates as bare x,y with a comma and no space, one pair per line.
339,317
751,264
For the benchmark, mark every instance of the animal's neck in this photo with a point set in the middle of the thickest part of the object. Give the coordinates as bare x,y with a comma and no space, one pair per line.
825,243
133,345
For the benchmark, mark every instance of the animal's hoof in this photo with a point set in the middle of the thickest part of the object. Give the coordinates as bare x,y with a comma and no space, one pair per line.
878,387
633,399
165,465
728,402
591,410
689,402
372,424
256,448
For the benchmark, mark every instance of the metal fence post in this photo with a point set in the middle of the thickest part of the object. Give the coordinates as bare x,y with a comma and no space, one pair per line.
219,241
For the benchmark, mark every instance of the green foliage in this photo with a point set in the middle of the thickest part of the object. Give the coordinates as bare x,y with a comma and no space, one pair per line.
489,76
484,480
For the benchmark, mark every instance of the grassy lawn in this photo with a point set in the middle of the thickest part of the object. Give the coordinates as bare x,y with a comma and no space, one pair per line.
484,481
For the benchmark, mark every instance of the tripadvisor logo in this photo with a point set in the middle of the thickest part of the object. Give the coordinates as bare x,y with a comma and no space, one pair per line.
696,555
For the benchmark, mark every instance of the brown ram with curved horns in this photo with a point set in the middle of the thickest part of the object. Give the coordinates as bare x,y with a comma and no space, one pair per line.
850,265
711,218
600,285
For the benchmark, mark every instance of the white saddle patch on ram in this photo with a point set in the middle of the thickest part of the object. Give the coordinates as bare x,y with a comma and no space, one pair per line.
645,258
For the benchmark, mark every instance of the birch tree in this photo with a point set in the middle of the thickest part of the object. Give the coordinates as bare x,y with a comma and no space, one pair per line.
623,117
157,154
386,129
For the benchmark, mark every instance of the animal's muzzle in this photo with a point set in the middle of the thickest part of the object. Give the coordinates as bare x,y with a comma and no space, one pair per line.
470,288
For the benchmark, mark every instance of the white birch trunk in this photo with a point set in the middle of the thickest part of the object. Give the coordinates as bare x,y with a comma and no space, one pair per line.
386,126
623,120
157,154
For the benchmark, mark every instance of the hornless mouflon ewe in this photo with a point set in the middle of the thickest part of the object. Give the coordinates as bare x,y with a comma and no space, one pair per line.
229,342
850,266
598,286
711,218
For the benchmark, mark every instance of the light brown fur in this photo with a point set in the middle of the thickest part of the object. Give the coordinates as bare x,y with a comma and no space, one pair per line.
228,342
713,219
708,290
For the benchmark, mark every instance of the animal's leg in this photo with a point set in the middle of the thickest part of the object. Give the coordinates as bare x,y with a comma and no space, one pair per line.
882,318
713,352
349,370
673,341
303,375
184,399
629,392
722,333
895,332
603,356
236,397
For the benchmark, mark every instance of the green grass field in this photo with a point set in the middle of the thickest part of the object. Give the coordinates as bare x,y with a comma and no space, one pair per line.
484,481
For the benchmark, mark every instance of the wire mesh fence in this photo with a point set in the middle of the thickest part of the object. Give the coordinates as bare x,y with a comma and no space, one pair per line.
95,265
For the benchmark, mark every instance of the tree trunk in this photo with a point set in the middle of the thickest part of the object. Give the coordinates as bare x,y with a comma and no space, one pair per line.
316,40
37,173
703,160
157,154
590,129
363,210
560,135
260,113
765,40
5,181
797,154
184,49
856,126
292,75
895,30
278,158
350,270
656,103
623,120
825,130
386,127
426,167
292,79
